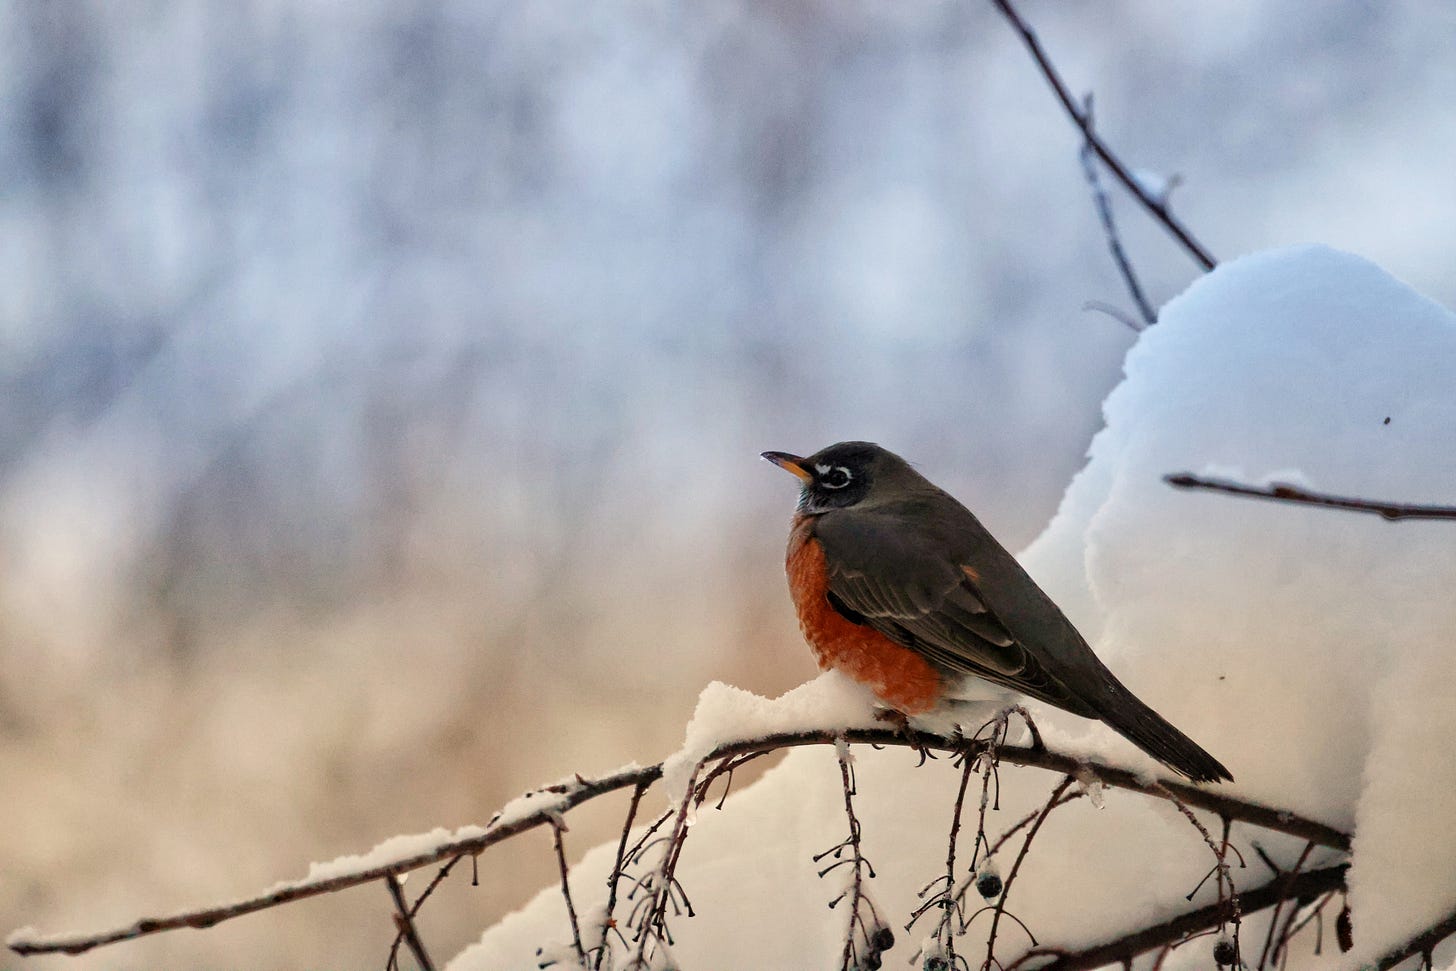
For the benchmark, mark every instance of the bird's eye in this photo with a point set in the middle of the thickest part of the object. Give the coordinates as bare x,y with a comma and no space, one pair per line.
835,478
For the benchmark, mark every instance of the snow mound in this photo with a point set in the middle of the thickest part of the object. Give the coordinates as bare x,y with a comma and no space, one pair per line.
1307,649
725,713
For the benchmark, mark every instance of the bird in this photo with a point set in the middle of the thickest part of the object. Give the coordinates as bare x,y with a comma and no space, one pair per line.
899,586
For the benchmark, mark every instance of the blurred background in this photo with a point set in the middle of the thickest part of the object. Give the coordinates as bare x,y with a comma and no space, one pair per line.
383,383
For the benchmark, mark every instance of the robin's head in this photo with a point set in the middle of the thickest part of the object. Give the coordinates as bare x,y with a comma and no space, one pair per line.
845,474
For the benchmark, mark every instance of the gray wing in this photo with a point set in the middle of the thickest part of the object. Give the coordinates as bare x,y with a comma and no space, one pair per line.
914,590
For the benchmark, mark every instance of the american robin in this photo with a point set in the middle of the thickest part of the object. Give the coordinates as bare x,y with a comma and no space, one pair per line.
901,587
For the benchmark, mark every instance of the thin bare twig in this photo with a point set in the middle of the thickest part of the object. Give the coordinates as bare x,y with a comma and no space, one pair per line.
982,750
1280,957
945,933
558,826
1157,208
988,769
1025,820
1053,801
662,887
414,909
1109,226
1274,920
615,878
1116,313
1004,719
560,799
1227,894
877,937
1282,492
406,923
1313,915
1022,823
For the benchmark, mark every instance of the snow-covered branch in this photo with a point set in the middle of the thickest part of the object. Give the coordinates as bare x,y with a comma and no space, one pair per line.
1306,885
545,807
1282,492
1423,944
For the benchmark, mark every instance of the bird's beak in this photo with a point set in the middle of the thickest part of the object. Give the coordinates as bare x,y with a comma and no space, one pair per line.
790,463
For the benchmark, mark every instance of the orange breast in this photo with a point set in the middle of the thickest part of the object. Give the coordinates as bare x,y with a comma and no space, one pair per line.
899,676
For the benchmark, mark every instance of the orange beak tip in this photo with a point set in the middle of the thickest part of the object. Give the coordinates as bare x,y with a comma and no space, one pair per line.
789,463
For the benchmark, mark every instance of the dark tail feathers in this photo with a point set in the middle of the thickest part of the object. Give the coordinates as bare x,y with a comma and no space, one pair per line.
1152,733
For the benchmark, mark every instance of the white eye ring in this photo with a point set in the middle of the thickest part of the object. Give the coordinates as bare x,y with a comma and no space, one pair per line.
824,471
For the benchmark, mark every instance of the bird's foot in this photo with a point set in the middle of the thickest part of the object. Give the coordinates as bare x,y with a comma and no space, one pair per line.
901,723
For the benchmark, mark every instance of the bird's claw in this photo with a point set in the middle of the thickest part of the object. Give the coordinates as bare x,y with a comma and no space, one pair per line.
901,723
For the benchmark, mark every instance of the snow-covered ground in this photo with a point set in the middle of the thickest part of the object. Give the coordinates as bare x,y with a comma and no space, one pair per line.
1307,649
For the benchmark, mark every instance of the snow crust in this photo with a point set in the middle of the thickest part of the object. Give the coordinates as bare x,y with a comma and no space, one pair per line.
725,713
389,851
1307,649
26,933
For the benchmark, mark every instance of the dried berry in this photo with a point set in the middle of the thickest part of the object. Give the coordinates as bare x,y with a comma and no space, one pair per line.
1224,954
871,961
936,963
884,939
988,885
1344,931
